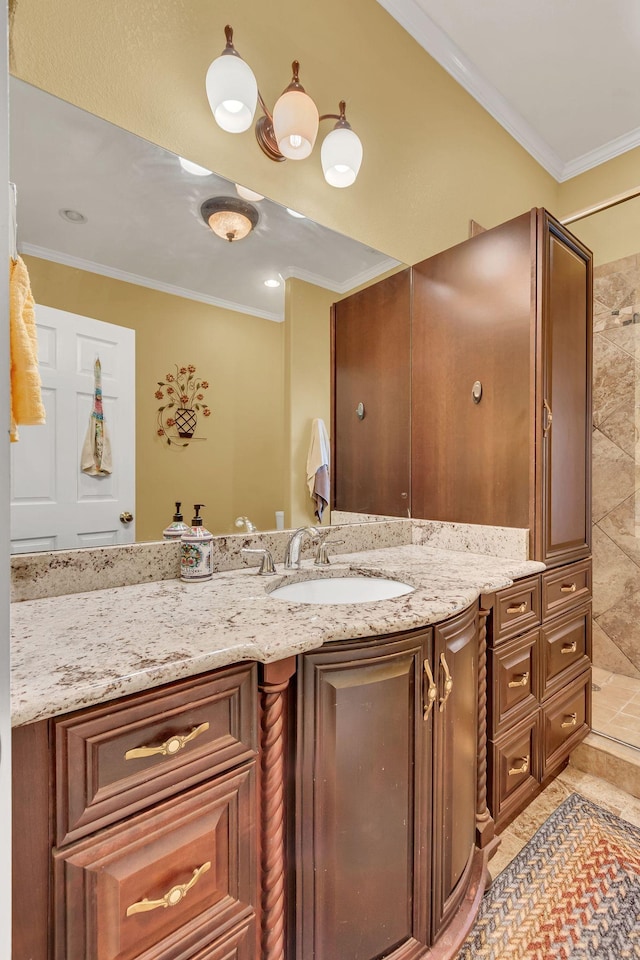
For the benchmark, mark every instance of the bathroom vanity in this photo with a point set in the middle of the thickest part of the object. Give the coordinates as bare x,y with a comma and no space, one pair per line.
304,781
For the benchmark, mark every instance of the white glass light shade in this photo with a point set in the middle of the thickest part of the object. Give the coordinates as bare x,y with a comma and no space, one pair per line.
190,167
233,93
247,194
295,124
341,156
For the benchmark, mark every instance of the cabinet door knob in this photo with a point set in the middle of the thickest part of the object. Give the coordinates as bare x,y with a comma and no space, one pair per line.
522,681
570,720
523,768
172,897
448,682
521,608
169,747
569,647
432,691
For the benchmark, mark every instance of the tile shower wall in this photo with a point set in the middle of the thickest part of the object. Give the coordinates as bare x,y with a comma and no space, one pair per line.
616,466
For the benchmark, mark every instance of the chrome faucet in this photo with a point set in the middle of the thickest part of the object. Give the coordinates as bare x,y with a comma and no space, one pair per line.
292,556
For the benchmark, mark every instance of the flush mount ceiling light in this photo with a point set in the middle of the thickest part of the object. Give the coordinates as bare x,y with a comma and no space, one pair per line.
290,131
229,217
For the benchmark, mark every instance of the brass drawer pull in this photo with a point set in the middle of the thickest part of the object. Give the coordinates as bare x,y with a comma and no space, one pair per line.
569,647
547,418
522,681
173,897
448,682
571,722
568,588
523,768
169,747
521,608
432,691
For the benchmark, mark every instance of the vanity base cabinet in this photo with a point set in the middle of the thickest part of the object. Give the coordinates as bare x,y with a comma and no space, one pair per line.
386,805
539,683
135,833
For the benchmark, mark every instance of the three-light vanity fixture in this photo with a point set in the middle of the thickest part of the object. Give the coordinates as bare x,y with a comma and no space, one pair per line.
289,132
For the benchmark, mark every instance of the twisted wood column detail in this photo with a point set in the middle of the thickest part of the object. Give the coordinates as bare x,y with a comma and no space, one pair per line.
273,687
484,821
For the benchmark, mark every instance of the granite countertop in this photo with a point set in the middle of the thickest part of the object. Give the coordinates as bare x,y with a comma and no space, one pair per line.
72,651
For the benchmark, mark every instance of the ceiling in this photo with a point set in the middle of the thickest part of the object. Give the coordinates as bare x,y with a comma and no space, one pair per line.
143,216
562,76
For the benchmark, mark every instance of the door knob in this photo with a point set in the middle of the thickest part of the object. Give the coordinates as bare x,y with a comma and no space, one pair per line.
126,517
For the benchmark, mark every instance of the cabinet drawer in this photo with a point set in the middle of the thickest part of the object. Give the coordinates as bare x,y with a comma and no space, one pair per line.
566,588
196,854
565,648
517,608
513,680
193,729
514,768
566,720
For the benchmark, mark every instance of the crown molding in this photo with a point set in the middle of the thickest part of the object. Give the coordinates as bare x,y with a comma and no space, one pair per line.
365,276
601,154
70,261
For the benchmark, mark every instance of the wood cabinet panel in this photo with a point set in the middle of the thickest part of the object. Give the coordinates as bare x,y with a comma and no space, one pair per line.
472,322
566,721
565,646
514,768
239,944
362,814
455,752
565,304
207,836
371,357
566,588
513,681
206,724
517,608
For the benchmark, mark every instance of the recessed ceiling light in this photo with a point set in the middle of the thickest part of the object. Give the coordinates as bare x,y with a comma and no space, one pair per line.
72,216
247,194
194,168
294,213
272,283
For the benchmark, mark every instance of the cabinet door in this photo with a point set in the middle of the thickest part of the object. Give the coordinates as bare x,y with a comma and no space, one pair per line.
163,884
472,313
455,762
371,366
363,770
563,522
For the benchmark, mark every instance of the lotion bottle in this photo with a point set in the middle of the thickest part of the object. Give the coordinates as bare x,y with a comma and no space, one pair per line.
175,530
196,556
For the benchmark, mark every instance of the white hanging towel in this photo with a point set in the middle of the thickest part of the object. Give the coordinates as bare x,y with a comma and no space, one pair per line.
318,460
95,459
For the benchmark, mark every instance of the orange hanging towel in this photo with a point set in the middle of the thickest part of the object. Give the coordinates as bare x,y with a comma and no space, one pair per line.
27,408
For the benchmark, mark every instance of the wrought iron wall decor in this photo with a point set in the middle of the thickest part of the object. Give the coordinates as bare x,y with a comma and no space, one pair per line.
183,396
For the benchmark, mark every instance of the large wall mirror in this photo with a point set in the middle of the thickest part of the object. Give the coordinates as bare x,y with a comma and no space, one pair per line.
111,229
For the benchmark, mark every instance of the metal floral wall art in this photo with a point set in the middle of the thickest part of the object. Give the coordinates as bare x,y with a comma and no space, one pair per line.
183,393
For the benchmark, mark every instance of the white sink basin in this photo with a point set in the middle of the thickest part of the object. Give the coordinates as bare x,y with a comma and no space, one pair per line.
341,590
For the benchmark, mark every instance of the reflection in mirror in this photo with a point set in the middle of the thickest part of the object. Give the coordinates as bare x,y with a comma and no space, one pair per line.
113,234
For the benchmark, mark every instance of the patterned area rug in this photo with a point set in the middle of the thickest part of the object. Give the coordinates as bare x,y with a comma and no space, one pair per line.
572,893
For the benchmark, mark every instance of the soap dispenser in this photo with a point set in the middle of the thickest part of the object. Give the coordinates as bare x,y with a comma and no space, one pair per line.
175,530
196,558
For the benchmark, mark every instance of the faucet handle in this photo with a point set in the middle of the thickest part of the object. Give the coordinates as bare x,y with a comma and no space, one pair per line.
267,567
322,557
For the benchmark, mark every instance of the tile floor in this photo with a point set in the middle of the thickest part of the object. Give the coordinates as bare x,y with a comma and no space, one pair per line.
616,706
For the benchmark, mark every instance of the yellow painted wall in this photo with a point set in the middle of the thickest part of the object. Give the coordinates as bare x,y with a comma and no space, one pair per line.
611,234
433,157
307,378
239,468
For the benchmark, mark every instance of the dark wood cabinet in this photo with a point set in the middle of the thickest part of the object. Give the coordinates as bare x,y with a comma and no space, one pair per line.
499,367
386,812
539,683
371,342
501,382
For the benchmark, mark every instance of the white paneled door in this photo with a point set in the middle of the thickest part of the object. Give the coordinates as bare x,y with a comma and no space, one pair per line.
54,505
